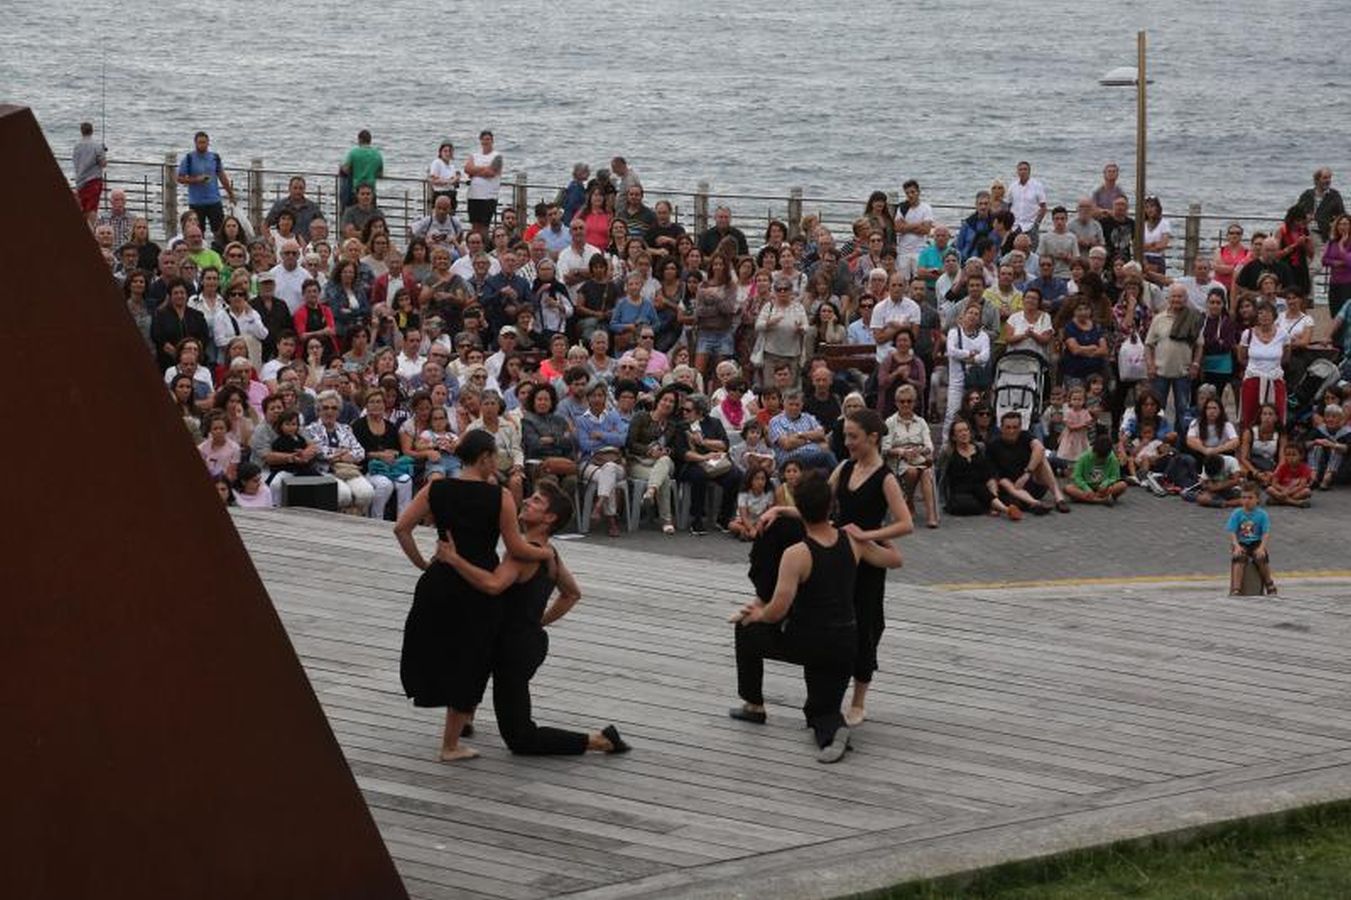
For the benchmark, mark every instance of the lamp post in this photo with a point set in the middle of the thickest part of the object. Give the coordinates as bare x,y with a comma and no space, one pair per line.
1126,76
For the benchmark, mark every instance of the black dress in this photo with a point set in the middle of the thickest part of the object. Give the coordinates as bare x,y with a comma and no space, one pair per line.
866,508
448,638
518,652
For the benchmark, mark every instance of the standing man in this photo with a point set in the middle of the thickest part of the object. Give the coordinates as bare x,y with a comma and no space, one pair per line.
1173,352
554,235
1027,198
574,260
626,175
89,159
914,221
117,217
639,219
894,314
1086,229
1059,244
1322,203
722,227
485,180
1106,193
290,276
204,174
573,197
363,164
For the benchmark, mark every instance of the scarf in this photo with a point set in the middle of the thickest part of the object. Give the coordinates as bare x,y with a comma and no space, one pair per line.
733,412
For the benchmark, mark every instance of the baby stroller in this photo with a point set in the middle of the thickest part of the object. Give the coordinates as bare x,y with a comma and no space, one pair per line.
1019,385
1318,376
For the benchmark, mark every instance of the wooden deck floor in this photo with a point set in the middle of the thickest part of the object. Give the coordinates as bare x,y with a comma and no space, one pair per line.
1005,724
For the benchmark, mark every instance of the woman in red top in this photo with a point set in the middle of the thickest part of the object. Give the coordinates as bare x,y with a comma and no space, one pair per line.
1231,255
597,218
314,319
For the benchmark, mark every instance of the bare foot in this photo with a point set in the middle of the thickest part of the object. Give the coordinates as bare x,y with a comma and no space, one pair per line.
458,753
854,716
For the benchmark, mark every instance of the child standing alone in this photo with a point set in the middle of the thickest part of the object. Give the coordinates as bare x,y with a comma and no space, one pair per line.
1249,528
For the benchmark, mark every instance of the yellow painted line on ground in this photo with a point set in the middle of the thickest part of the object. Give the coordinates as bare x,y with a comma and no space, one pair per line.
1297,575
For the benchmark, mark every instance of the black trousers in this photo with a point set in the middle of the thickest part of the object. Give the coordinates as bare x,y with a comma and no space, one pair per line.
518,654
698,480
827,659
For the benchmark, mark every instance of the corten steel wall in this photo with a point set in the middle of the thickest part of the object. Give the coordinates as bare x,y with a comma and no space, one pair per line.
157,733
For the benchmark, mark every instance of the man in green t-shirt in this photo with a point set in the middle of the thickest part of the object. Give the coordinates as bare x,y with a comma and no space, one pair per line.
1097,475
363,164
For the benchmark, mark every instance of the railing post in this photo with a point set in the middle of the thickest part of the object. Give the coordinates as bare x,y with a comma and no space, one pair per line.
255,198
428,201
701,209
794,211
169,194
1192,238
520,197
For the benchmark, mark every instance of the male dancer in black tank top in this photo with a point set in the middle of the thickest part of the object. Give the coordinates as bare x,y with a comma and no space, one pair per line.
521,642
815,593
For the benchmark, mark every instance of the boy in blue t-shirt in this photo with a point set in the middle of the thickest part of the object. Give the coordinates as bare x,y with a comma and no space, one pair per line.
1249,527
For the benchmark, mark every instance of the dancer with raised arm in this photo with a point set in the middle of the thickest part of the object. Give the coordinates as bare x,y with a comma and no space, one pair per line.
814,592
451,627
523,588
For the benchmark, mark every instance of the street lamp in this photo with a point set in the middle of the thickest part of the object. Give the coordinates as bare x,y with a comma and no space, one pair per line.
1125,76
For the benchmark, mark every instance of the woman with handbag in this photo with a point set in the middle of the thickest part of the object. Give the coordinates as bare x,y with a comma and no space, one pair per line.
701,447
1132,316
387,469
648,450
780,331
968,359
600,435
548,439
340,454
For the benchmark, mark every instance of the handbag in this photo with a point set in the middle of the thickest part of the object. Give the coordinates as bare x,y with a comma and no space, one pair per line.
717,466
346,470
1130,360
758,350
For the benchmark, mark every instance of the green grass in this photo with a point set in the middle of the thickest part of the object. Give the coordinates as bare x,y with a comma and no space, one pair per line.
1302,855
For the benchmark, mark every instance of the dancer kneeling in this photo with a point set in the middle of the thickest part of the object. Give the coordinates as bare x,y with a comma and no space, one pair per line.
451,627
521,645
814,591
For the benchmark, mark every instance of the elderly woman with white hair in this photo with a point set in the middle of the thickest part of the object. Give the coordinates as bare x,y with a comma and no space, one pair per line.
386,468
340,453
908,448
780,332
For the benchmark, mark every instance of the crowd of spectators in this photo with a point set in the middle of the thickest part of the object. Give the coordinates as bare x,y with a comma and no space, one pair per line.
639,364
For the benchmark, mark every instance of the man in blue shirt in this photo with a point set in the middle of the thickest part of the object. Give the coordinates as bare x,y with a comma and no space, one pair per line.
573,197
797,435
204,174
504,294
1053,290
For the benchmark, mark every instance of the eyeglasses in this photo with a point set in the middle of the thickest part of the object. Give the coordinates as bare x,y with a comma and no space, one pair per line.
238,294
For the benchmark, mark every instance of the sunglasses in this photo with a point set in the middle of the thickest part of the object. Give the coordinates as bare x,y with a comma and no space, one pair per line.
238,294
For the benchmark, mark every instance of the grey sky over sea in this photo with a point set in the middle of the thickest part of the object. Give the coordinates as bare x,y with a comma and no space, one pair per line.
753,96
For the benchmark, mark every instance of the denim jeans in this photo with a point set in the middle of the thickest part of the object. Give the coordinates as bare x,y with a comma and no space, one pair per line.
1182,394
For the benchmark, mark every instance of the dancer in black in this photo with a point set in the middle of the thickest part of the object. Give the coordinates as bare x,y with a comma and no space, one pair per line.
448,638
814,591
865,492
522,644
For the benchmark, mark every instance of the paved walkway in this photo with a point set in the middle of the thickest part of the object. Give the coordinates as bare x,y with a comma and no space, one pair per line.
1144,536
1005,723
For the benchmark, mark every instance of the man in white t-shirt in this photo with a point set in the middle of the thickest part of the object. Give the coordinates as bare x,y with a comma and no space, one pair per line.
894,314
914,221
289,276
485,179
1027,198
574,259
410,357
464,266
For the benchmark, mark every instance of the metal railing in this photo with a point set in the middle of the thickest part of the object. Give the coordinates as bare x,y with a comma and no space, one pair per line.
152,191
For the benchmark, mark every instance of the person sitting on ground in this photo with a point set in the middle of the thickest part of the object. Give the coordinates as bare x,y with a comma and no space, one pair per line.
1328,446
755,497
1261,446
1219,484
753,452
1021,468
1291,484
968,477
1249,529
814,592
790,474
1097,475
1144,451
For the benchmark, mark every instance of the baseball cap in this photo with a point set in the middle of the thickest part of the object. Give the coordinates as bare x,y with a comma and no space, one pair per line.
508,329
266,276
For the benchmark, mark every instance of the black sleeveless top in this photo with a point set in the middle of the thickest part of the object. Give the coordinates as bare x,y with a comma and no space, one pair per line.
523,603
470,511
826,598
865,507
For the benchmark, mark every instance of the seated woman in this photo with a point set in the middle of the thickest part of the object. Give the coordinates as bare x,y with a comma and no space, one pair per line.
968,477
387,469
648,447
340,454
548,439
601,434
510,450
908,448
1211,434
900,366
1261,447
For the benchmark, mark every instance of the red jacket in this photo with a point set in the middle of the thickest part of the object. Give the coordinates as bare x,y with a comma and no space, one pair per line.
301,321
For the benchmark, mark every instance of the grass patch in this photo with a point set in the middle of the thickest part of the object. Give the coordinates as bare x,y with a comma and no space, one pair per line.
1300,855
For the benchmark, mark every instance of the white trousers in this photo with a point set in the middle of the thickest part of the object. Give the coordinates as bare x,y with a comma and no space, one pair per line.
382,487
607,476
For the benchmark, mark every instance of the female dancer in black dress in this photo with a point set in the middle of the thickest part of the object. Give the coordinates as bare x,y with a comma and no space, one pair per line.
524,589
865,491
448,638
